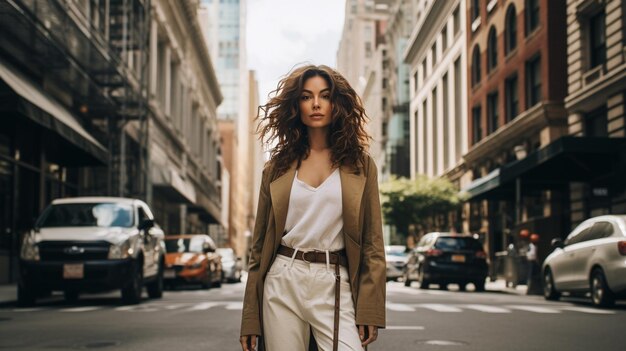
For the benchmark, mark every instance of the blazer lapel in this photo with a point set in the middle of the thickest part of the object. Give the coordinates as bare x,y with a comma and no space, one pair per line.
280,190
352,186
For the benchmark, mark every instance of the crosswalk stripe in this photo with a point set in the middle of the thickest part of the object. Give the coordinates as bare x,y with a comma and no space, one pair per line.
404,327
27,309
235,306
399,307
439,307
587,310
535,309
203,306
488,309
80,309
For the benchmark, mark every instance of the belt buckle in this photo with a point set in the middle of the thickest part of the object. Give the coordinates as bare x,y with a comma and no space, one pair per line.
304,255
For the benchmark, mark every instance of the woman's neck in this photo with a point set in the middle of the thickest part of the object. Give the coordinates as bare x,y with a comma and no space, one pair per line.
318,139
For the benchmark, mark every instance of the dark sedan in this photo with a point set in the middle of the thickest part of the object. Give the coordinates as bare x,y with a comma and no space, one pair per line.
443,258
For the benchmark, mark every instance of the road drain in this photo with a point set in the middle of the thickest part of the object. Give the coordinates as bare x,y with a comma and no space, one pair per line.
443,343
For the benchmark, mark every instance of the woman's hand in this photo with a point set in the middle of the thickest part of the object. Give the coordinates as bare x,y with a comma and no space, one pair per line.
248,340
369,331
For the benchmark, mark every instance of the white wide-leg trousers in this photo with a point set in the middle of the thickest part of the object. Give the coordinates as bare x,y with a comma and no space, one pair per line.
299,297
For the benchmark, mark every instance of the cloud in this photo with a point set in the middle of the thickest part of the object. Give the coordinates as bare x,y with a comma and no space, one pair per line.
283,33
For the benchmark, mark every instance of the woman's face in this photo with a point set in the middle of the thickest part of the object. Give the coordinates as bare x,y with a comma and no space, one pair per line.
315,104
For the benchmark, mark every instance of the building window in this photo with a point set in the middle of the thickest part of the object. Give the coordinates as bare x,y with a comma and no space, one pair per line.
596,123
434,51
385,83
492,50
512,98
510,34
424,70
597,40
476,65
444,38
492,112
456,21
475,9
532,15
533,81
384,104
368,49
476,127
415,76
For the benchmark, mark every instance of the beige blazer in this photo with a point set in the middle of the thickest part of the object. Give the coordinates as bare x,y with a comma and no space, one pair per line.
362,233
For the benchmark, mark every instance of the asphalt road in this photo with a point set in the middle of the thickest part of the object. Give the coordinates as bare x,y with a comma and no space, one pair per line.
196,319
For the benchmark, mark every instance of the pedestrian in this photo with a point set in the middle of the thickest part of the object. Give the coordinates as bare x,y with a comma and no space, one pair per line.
533,265
317,264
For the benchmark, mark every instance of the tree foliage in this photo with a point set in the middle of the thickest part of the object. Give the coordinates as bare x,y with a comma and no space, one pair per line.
407,202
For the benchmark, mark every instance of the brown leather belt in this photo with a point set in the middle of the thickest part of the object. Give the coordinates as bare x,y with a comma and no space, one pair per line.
338,258
316,256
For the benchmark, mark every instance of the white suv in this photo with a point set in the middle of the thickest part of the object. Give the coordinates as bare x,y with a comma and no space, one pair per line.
92,244
592,259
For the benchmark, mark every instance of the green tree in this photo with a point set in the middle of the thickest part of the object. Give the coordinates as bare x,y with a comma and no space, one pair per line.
408,202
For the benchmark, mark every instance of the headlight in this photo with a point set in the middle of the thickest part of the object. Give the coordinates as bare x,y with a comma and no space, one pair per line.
30,250
120,251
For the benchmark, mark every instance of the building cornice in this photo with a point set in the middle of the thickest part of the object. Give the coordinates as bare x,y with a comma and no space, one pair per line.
426,28
523,126
589,97
190,8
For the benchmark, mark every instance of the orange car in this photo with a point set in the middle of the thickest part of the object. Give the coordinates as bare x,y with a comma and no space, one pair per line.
192,259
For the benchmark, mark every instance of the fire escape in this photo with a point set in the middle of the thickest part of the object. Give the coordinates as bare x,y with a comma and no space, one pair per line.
97,51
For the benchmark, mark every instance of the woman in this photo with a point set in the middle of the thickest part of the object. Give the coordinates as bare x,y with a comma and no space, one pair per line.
317,263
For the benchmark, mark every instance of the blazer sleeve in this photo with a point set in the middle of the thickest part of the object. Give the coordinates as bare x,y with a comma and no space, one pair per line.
250,321
373,271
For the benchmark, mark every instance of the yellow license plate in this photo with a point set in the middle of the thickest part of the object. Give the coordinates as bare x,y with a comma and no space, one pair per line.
73,271
458,258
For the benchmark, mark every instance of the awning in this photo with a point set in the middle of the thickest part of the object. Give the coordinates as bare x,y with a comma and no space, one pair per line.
37,105
168,181
568,159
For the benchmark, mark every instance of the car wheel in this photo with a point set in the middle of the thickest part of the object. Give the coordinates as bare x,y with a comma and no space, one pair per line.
601,295
549,291
25,297
155,288
70,295
131,294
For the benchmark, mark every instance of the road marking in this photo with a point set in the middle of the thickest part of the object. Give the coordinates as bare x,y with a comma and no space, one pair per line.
174,306
439,307
488,309
203,306
399,307
138,308
80,309
27,309
535,309
235,306
587,310
404,327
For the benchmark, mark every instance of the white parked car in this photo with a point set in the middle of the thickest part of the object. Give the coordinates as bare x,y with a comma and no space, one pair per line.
396,258
591,259
231,265
91,244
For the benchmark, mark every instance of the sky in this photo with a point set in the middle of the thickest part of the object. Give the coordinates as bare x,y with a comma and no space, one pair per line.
284,33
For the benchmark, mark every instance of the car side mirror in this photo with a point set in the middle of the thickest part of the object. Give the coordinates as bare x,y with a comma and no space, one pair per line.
557,243
146,224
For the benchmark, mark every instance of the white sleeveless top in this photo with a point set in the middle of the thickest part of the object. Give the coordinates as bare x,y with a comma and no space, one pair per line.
314,216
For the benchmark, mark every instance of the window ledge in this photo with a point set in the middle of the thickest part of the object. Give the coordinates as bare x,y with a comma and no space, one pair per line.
476,24
592,75
491,5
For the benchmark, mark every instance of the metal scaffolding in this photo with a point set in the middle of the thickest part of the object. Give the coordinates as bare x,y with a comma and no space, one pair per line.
97,51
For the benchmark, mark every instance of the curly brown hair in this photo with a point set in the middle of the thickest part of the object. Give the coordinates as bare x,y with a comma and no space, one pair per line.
279,121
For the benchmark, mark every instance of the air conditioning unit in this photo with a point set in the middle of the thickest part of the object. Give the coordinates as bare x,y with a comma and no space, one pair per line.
592,75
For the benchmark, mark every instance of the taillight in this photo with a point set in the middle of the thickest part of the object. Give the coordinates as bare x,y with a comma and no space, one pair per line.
621,246
434,253
481,254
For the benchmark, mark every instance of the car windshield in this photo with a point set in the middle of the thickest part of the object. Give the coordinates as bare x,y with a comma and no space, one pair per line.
395,251
87,215
452,244
183,245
